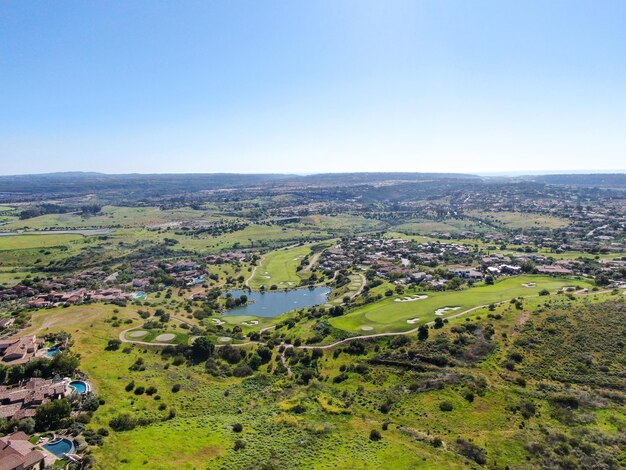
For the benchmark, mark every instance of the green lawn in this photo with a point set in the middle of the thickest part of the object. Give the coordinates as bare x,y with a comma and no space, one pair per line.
388,315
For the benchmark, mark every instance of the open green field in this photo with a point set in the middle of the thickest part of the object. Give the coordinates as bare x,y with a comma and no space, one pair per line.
111,216
25,241
389,315
253,236
12,278
279,268
519,220
425,226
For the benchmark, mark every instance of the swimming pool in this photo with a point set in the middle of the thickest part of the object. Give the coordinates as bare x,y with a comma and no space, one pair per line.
53,351
60,447
79,387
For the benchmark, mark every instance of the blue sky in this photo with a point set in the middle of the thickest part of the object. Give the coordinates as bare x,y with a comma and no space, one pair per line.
312,86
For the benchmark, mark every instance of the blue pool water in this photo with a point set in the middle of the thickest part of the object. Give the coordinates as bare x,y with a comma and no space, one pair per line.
60,447
140,295
198,280
79,386
273,304
53,351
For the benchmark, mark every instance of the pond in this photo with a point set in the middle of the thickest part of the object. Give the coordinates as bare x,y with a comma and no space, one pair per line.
275,303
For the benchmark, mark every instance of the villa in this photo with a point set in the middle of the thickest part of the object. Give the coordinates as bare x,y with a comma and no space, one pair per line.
21,401
19,350
17,453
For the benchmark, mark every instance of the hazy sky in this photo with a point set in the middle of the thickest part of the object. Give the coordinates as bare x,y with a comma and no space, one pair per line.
312,86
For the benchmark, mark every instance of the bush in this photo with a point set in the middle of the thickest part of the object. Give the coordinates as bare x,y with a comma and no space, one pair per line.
472,451
176,388
123,422
239,444
151,390
139,390
375,435
113,345
129,386
237,427
242,370
446,406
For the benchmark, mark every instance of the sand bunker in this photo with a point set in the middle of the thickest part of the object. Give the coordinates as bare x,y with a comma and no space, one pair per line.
224,339
137,334
412,299
411,321
529,284
217,321
441,311
367,328
250,323
165,337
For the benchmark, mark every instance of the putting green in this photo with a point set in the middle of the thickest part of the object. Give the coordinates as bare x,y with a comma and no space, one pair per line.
388,315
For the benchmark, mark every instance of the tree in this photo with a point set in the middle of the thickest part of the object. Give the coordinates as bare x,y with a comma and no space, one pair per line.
375,435
489,280
202,349
51,415
422,333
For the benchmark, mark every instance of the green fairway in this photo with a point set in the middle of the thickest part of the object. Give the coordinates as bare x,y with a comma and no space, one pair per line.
279,268
390,315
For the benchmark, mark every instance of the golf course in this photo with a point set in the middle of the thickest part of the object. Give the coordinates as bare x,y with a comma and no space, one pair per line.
391,315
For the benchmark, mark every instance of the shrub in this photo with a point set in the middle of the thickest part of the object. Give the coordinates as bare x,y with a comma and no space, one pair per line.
237,427
375,435
242,370
129,386
151,390
139,390
446,406
176,388
472,451
113,345
239,444
123,422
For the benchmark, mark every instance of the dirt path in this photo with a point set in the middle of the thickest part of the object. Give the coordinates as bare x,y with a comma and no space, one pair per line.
259,262
314,259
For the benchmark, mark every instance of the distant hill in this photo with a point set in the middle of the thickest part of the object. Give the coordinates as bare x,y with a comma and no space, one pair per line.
83,183
608,180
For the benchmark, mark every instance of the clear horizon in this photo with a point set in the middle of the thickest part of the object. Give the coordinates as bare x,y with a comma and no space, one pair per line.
489,87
